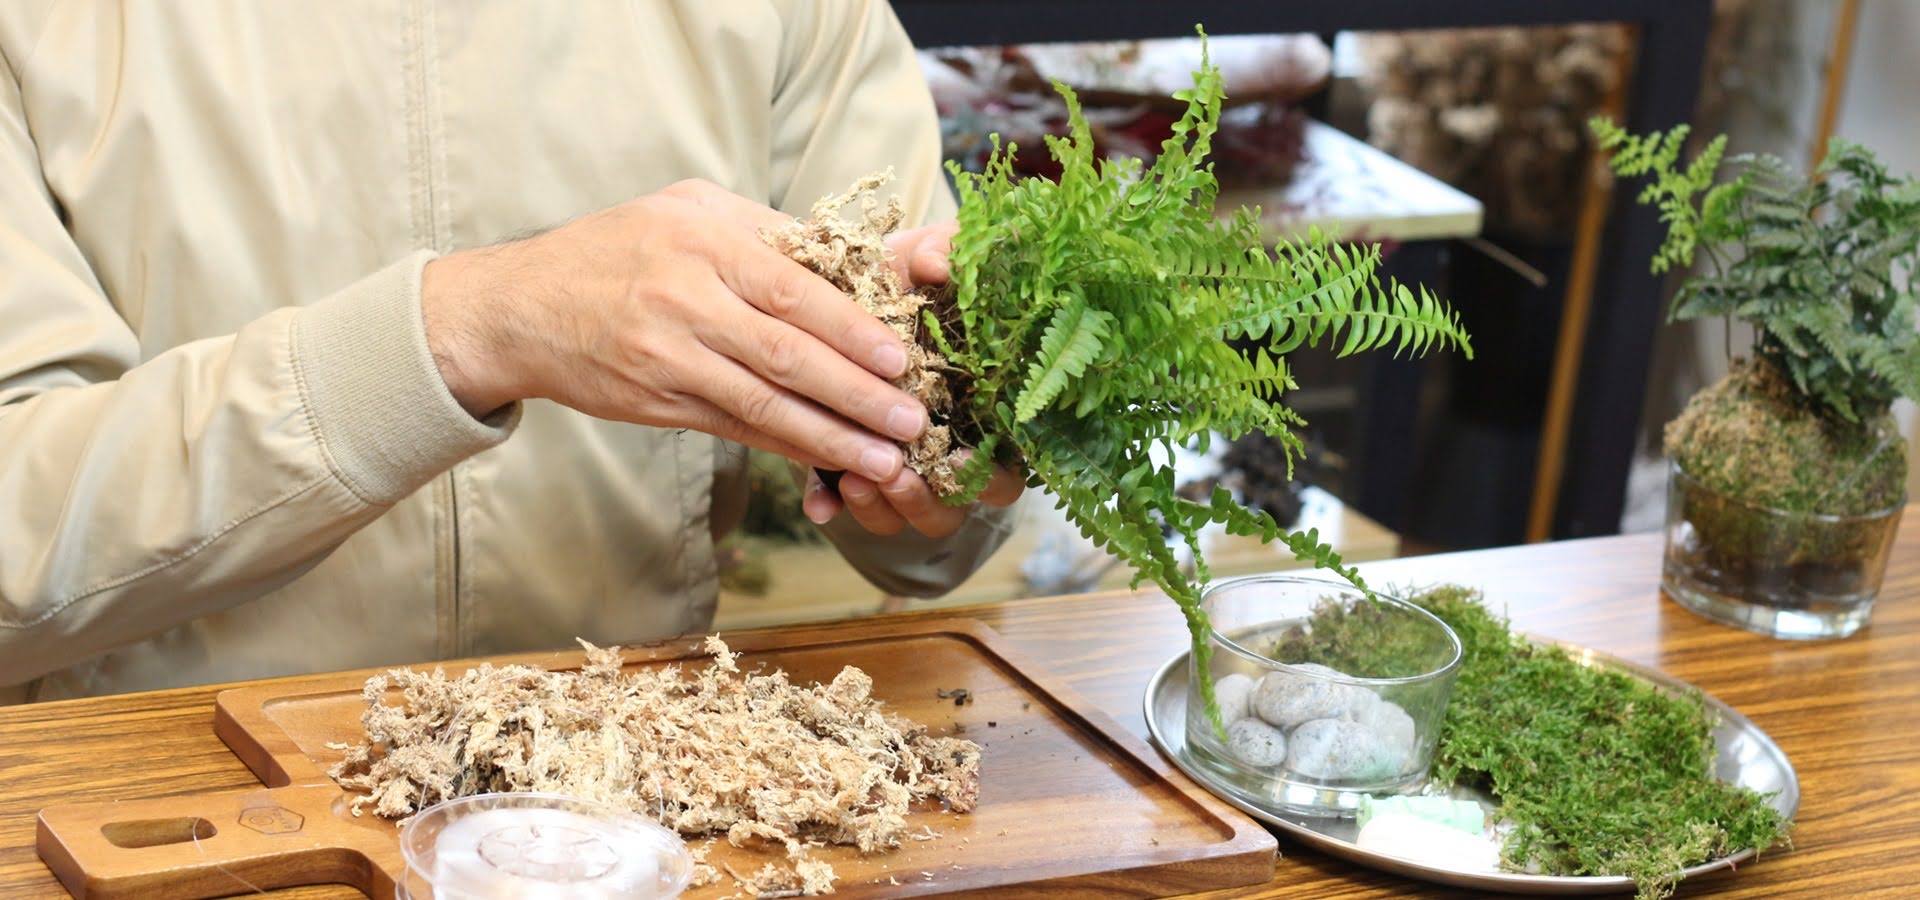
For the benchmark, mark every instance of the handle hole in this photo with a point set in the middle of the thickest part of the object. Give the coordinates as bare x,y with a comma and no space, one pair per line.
156,832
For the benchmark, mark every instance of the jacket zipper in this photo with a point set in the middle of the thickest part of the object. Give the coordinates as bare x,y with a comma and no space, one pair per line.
422,111
454,581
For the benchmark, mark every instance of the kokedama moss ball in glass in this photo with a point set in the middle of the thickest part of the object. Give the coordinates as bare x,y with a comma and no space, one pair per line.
1779,520
1344,693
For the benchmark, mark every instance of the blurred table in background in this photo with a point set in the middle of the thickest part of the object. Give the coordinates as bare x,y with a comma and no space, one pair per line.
1350,190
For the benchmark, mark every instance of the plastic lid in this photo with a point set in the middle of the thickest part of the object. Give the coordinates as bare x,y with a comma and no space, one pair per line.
538,846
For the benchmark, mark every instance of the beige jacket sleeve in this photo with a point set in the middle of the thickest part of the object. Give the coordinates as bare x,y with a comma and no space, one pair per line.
136,494
852,102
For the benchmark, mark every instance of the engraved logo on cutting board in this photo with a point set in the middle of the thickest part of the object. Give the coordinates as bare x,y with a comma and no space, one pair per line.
272,819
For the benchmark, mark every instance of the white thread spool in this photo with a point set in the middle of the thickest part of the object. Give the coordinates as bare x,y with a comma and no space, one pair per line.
538,847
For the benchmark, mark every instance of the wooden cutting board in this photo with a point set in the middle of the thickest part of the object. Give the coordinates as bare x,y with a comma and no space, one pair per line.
1070,802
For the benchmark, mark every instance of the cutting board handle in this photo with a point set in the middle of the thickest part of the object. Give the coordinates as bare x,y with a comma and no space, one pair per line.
210,845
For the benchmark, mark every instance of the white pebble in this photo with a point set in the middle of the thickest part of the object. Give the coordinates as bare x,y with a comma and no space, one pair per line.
1286,699
1337,749
1391,724
1256,743
1235,693
1361,703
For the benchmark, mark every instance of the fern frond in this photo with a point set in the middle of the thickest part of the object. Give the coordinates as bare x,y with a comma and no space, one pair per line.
1896,362
974,474
1673,190
1072,341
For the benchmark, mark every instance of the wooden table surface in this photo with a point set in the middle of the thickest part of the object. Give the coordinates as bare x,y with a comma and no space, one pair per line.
1846,712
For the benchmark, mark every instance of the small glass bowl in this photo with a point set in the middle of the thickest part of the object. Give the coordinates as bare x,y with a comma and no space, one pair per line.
1327,695
533,846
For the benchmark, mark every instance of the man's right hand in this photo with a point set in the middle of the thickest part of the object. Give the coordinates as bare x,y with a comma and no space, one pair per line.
669,311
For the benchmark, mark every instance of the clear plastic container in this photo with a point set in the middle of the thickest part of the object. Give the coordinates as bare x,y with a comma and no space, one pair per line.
1328,695
530,846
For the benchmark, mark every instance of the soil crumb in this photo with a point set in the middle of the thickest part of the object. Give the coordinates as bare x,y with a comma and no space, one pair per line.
959,696
750,756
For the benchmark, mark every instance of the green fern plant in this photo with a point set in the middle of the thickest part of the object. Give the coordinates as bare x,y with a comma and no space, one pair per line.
1102,315
1821,266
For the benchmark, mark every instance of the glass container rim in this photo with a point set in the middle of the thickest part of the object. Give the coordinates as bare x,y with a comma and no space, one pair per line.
1233,646
1675,470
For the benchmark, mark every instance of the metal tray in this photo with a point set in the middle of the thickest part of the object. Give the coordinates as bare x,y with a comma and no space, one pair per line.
1747,756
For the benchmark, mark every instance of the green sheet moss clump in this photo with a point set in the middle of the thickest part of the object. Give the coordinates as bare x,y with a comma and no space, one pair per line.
1365,639
1751,436
1597,772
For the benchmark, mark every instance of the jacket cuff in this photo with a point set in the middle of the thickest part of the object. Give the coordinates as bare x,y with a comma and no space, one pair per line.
382,412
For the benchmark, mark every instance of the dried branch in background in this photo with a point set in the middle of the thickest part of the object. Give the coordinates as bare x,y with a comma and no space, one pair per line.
1498,112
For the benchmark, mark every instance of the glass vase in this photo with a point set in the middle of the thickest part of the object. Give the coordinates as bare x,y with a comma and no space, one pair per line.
1785,574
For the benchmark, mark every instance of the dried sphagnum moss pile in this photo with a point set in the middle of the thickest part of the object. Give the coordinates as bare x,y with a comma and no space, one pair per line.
748,755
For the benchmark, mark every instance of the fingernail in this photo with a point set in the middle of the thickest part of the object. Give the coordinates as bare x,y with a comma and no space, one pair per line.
813,512
880,462
906,421
891,359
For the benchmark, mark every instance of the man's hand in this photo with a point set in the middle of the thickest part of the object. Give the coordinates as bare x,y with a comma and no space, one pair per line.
889,506
886,506
669,311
